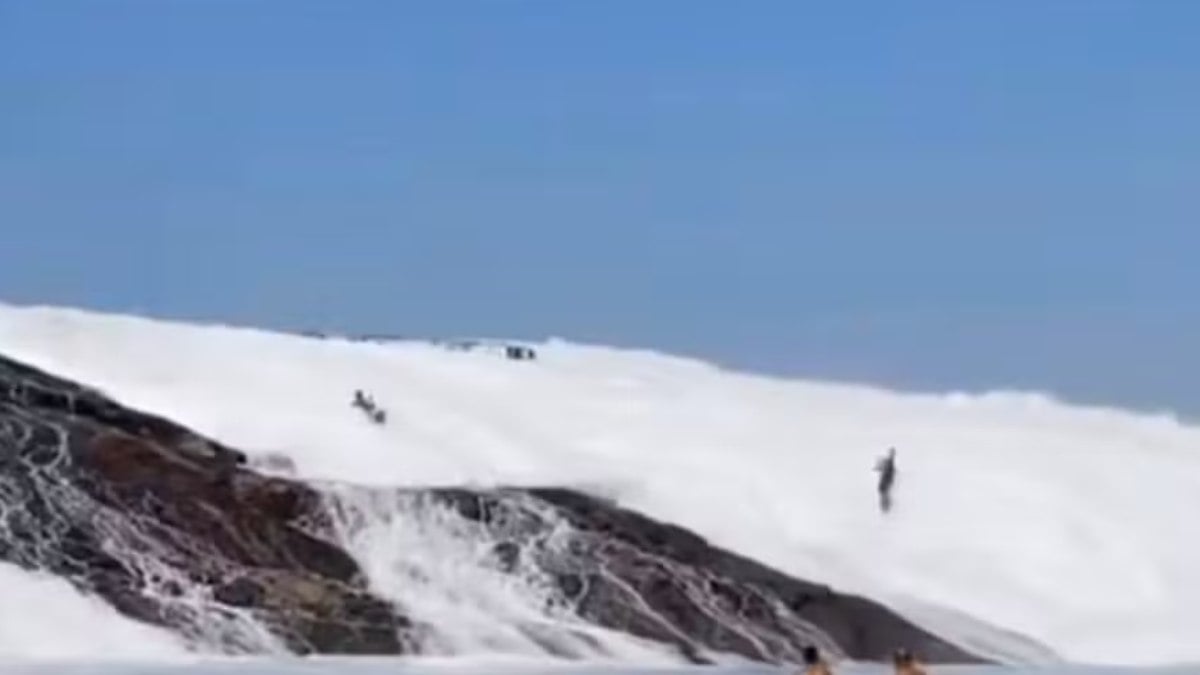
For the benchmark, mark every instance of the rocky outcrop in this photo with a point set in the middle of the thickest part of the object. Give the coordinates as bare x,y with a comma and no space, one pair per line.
621,570
171,528
737,604
177,530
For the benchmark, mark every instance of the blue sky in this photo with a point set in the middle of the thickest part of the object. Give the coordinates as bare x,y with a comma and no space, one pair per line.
923,194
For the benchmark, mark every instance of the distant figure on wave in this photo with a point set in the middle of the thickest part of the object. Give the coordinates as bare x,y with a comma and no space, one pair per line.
886,467
813,663
520,353
366,403
906,663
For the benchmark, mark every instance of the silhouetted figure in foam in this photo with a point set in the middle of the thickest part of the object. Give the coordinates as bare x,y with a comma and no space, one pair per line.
813,663
366,403
886,467
361,401
520,353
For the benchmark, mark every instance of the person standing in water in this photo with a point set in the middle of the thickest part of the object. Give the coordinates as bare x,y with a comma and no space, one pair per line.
886,466
813,663
906,663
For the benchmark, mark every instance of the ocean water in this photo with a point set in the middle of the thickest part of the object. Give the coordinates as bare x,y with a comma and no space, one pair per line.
1036,530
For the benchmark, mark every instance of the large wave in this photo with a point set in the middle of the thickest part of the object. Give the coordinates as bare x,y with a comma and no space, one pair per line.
1073,526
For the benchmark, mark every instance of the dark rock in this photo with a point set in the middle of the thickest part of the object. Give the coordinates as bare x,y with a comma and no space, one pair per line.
784,613
507,555
624,571
113,499
571,585
241,592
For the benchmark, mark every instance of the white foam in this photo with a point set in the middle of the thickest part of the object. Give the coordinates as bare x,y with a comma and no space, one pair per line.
43,617
1075,526
441,569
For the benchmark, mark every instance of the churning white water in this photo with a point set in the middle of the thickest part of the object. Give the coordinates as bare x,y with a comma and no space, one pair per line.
1073,526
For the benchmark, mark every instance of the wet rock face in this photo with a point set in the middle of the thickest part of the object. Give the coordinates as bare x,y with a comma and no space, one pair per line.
171,529
176,530
622,570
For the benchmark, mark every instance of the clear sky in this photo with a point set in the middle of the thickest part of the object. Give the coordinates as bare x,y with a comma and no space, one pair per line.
924,194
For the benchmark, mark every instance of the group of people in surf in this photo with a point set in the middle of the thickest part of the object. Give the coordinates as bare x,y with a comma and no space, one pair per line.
903,660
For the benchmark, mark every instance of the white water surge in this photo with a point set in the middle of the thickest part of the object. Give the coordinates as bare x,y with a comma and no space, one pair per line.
1073,526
